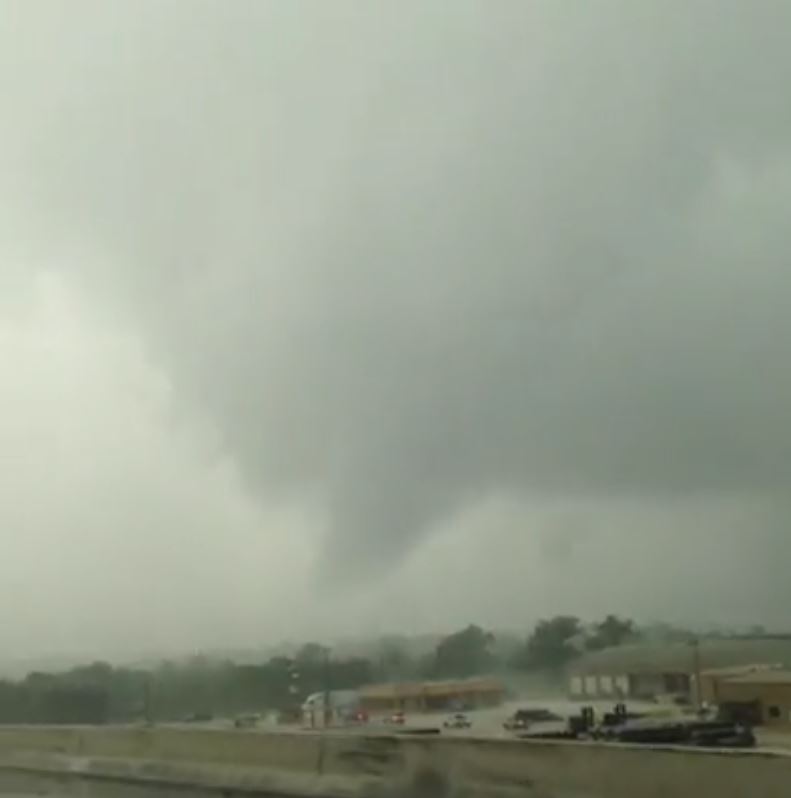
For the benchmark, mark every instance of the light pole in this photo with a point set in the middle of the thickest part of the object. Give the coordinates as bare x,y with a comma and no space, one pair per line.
695,643
327,711
147,713
293,680
327,689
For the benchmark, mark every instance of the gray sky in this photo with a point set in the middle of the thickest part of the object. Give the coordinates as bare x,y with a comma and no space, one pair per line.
350,315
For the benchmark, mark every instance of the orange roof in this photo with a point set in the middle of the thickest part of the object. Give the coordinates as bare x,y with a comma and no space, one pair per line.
445,688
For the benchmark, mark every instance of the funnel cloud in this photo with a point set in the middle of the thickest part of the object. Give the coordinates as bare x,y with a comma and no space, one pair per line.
456,285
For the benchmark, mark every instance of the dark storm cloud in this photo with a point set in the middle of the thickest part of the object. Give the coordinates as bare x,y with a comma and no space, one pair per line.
410,254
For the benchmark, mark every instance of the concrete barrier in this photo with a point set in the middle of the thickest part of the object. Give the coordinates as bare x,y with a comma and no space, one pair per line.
351,765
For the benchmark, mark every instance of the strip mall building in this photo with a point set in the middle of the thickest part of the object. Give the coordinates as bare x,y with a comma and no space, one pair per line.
431,696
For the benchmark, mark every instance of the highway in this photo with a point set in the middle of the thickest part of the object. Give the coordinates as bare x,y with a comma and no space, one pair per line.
489,722
486,722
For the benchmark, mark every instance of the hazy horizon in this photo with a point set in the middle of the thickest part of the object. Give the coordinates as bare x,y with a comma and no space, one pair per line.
369,646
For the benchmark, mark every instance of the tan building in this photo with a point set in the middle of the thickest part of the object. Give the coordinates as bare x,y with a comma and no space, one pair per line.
768,691
712,679
631,671
646,670
637,683
431,696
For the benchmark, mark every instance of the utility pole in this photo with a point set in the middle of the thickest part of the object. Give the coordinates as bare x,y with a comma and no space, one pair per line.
327,712
696,667
293,677
147,709
327,690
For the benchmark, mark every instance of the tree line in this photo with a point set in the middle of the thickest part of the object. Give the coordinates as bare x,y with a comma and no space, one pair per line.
101,693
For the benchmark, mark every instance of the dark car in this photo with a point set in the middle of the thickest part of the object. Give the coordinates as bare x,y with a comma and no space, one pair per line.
457,721
360,716
523,718
249,721
198,717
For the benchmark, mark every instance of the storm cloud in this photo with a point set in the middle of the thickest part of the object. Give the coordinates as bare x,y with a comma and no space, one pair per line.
405,259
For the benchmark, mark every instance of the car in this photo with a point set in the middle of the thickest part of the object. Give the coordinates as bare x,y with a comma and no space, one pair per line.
457,721
354,717
515,723
523,718
198,717
249,721
396,719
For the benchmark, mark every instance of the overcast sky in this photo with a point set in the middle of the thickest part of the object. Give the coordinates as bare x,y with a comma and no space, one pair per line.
326,317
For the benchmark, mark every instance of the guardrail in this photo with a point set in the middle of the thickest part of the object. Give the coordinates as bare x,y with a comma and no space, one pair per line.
343,766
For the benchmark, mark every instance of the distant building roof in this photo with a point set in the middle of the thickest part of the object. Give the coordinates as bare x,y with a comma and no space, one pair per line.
740,670
444,688
763,677
636,658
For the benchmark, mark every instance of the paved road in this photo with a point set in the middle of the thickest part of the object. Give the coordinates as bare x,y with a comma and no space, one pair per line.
489,722
485,722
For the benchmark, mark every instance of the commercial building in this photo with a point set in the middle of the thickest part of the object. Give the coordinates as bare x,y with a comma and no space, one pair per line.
431,696
638,682
711,680
632,671
767,693
650,670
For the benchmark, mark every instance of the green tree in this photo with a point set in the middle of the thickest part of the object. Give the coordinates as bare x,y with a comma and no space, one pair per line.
347,674
98,692
394,662
551,644
612,631
464,653
312,655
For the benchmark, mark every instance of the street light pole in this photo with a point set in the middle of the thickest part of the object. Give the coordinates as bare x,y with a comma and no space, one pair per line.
294,687
147,713
696,666
327,689
327,712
